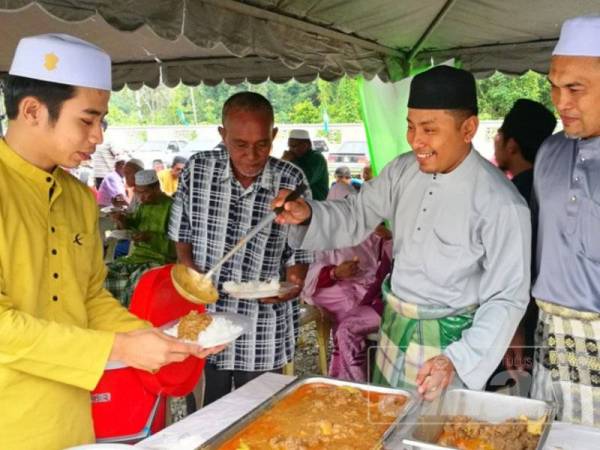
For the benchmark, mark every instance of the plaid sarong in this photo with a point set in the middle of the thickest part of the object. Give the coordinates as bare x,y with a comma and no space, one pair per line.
411,334
122,278
567,363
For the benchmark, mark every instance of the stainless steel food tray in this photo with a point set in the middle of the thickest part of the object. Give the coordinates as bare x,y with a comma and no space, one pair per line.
216,441
486,406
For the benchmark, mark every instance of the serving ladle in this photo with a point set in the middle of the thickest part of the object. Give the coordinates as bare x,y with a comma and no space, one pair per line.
204,290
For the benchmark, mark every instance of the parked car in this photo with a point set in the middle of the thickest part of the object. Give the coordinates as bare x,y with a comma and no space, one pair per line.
353,154
198,145
158,149
320,145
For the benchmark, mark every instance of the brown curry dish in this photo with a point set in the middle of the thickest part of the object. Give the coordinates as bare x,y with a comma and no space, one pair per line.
466,433
320,416
191,325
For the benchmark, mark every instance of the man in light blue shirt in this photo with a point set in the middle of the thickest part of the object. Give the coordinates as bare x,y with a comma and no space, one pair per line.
567,193
462,238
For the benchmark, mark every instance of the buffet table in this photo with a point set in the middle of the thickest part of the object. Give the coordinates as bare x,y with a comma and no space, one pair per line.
197,428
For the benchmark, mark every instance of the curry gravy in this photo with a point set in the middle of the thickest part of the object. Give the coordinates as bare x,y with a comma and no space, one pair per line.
321,416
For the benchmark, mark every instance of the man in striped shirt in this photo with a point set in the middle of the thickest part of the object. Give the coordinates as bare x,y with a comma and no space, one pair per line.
222,194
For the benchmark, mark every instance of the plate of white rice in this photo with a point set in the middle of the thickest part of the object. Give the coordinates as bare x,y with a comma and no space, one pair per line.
107,210
224,329
257,289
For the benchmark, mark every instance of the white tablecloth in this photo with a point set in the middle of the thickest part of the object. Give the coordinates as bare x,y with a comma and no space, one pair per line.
197,428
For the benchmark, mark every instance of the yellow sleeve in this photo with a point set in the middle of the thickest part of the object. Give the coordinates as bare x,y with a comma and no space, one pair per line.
60,352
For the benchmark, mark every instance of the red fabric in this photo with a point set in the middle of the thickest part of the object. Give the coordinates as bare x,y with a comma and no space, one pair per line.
325,280
156,300
121,405
122,401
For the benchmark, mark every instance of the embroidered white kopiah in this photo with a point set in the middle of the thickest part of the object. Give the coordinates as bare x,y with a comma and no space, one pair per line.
61,58
579,36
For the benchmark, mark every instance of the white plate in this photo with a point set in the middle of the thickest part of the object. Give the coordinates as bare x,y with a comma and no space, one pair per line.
120,234
243,322
111,209
285,287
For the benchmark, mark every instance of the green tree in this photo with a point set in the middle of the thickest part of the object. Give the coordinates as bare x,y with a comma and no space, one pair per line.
498,93
341,100
299,102
292,102
305,112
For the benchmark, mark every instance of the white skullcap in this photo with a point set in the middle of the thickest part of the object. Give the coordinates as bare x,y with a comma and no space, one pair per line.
61,58
146,177
299,134
579,36
136,162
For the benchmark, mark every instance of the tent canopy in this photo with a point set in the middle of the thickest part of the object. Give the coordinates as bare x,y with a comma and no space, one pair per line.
211,41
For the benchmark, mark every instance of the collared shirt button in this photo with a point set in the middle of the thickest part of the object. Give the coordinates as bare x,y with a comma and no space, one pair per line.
49,179
55,275
424,209
55,298
418,228
573,198
52,229
582,159
54,252
430,192
576,179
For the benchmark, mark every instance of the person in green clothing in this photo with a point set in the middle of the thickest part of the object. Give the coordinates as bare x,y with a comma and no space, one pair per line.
312,163
151,245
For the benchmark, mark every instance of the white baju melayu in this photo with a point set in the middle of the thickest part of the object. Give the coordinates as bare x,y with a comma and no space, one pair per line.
461,239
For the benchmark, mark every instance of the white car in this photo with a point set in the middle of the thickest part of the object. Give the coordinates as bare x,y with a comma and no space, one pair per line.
352,154
198,145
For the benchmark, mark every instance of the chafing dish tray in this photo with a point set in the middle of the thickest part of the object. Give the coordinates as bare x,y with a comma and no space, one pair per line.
219,440
481,406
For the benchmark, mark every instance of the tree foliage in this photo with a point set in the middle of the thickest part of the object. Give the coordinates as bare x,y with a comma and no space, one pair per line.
305,112
498,93
297,102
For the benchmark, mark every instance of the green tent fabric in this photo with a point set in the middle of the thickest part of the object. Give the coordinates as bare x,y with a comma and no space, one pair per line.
383,108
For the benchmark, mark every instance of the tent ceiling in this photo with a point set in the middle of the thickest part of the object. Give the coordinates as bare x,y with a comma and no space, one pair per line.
216,40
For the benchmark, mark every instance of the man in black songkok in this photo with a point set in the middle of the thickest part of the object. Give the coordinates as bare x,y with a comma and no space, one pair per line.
444,87
460,282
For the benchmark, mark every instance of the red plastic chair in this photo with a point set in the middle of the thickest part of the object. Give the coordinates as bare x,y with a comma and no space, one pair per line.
129,404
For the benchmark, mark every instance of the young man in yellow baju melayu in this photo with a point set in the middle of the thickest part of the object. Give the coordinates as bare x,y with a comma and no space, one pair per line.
58,325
